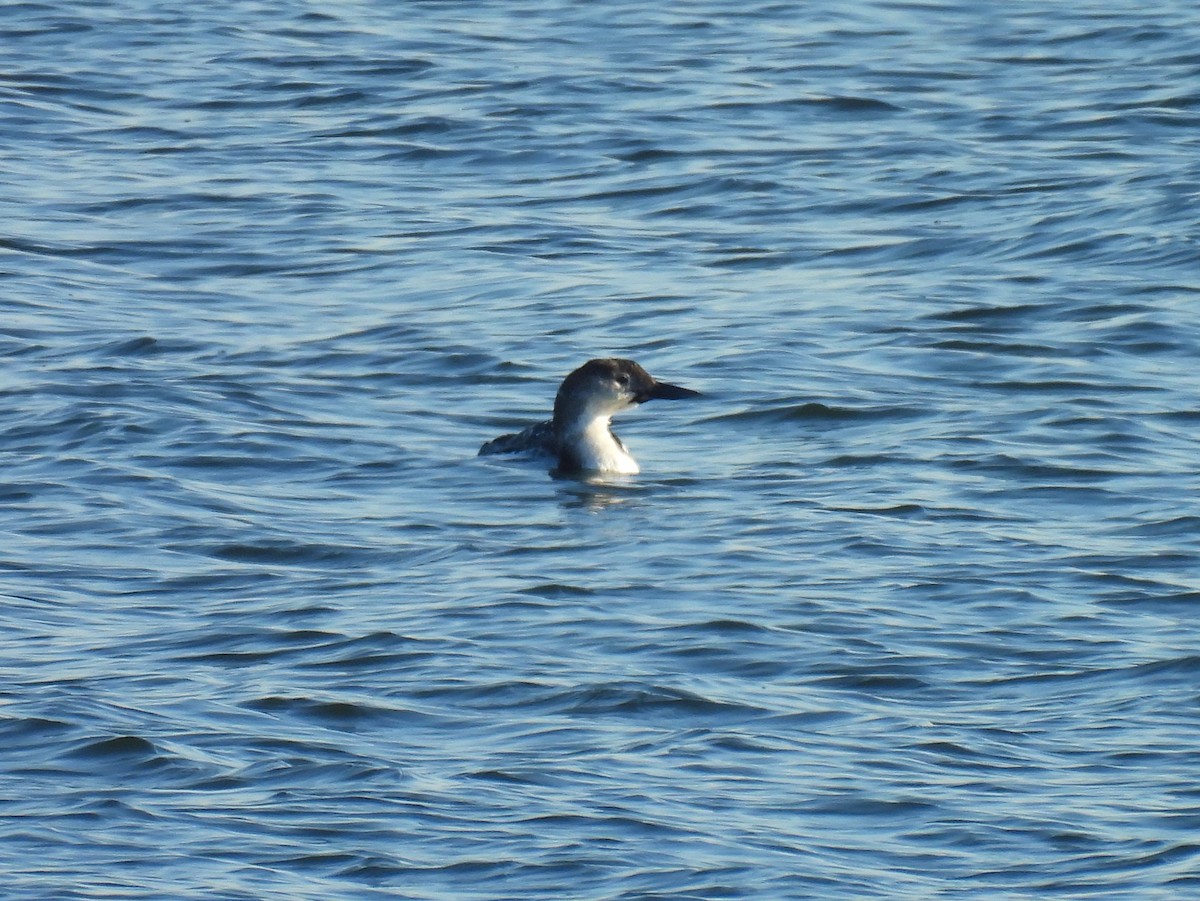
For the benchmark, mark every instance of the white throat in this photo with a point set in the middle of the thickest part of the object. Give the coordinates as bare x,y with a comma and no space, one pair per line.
596,448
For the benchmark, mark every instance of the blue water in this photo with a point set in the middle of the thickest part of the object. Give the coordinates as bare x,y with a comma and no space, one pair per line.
904,608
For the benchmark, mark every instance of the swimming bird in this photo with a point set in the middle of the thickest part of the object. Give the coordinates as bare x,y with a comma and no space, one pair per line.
580,435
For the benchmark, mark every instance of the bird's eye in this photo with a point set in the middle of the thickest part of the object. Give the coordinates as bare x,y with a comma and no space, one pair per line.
623,379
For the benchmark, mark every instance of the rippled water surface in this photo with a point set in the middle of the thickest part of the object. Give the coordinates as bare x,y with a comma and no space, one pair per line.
905,607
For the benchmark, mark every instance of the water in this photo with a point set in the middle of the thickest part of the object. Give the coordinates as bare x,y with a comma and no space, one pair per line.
904,608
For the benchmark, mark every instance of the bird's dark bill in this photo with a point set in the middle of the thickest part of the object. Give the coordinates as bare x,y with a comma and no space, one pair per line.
663,391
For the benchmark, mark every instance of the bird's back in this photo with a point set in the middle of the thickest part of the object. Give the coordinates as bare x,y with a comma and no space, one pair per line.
538,438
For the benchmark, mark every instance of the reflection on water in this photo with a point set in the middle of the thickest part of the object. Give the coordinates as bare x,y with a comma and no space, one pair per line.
595,492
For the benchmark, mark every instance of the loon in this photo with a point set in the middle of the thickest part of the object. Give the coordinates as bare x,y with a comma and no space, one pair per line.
580,435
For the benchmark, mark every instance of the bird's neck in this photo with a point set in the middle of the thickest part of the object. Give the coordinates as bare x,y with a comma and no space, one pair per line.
588,443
